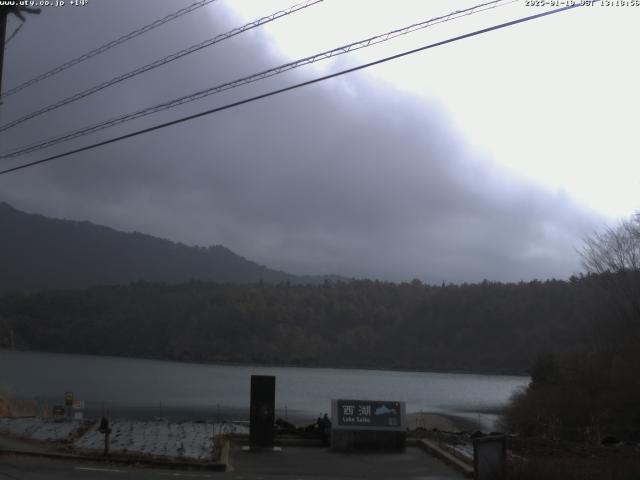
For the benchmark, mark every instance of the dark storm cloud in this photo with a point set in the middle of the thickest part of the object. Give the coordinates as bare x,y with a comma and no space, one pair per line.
350,176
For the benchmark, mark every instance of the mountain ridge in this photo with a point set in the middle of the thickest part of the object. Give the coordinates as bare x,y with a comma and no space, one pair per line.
40,252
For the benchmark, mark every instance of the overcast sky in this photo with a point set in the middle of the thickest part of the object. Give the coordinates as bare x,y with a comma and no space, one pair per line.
485,158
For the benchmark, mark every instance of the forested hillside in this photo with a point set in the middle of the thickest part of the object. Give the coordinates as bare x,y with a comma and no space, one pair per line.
486,327
37,252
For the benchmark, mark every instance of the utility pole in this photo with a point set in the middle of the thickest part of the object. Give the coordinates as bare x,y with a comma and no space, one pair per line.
4,13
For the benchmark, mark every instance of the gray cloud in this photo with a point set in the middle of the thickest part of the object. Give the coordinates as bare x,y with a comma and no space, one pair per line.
350,176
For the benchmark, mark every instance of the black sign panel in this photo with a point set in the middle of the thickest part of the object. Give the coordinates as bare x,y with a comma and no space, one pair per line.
58,411
262,415
369,413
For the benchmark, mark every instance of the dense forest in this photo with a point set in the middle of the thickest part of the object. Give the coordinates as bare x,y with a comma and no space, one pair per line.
486,327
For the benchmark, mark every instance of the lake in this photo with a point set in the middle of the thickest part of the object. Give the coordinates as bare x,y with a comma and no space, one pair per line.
137,387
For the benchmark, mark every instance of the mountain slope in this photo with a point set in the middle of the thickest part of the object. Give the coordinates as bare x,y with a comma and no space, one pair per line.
38,252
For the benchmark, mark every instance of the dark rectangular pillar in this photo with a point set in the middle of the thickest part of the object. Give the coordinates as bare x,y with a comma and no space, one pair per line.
262,415
489,457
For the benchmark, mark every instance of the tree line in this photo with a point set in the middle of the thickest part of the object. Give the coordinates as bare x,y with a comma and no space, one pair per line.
483,327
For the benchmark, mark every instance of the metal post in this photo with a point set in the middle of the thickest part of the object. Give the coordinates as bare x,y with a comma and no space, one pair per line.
3,31
105,429
107,441
4,13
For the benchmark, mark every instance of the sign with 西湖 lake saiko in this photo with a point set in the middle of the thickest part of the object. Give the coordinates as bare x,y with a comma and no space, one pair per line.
368,414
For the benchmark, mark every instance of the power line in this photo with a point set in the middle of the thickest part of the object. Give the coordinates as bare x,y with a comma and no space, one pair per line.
255,77
106,46
293,87
162,61
13,34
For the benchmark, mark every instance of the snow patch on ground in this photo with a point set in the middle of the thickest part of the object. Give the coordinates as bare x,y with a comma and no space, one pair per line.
175,440
187,440
39,429
464,452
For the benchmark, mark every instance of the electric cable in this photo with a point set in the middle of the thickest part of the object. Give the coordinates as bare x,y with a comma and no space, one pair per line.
295,86
158,63
107,46
13,34
254,78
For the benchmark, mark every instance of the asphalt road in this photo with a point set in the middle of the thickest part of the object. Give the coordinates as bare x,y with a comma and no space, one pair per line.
14,467
307,463
320,463
290,464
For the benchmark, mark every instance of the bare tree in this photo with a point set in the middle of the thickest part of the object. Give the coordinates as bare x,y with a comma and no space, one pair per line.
614,256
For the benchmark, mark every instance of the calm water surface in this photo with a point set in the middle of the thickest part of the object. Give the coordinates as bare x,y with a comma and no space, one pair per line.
161,386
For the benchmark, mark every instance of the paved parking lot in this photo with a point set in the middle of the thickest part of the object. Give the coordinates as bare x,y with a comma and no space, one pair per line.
321,463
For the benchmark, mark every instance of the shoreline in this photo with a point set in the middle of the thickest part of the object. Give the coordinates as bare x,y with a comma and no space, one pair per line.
440,421
495,373
414,420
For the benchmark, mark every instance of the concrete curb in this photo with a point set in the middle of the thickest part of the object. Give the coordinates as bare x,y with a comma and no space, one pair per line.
300,442
220,466
432,448
286,441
